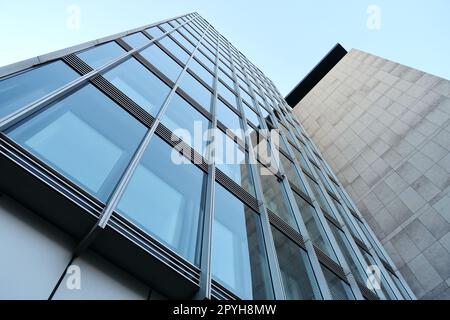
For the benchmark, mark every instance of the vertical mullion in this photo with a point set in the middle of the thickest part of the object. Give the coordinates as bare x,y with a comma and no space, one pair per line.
269,244
206,251
317,269
126,176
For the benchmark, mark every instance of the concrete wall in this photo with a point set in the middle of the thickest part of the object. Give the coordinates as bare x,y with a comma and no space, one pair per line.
34,256
384,128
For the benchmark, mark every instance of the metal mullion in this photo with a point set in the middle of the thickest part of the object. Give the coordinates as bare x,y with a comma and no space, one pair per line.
354,246
204,291
40,103
314,260
126,176
269,244
26,64
323,221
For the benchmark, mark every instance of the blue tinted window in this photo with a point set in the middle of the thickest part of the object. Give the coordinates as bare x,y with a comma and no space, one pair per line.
155,32
230,119
165,199
86,137
162,61
245,96
166,26
175,49
200,71
251,115
232,160
136,40
196,90
229,96
182,40
182,119
338,288
100,55
225,78
202,58
239,260
23,88
138,83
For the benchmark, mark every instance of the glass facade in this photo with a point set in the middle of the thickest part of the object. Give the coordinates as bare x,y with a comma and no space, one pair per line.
195,80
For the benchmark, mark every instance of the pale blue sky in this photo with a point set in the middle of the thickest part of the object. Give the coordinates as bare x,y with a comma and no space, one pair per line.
284,38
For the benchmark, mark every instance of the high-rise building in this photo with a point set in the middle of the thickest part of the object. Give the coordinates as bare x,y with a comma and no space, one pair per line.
384,129
106,195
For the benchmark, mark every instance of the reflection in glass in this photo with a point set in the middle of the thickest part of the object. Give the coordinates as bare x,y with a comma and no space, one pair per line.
175,49
315,229
196,90
251,115
338,288
296,272
158,58
155,32
201,72
291,173
239,261
232,160
136,40
140,84
230,119
22,88
85,136
165,199
180,115
275,197
229,96
102,54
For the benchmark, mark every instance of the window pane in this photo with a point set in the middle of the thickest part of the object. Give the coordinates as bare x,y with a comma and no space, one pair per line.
319,196
232,161
182,119
86,137
225,78
100,55
338,288
230,119
165,199
315,229
239,260
138,83
291,173
155,32
298,280
162,62
182,40
275,197
251,115
201,72
202,58
225,93
349,255
166,26
245,96
136,40
18,90
197,91
175,49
